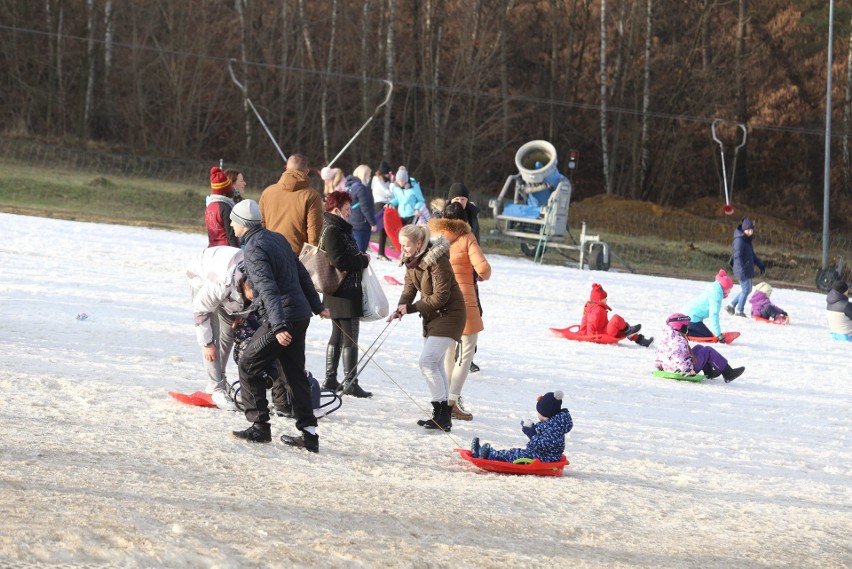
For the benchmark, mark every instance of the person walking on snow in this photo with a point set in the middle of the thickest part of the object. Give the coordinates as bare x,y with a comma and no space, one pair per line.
707,307
674,354
441,308
285,298
839,312
547,436
596,322
469,263
362,219
743,261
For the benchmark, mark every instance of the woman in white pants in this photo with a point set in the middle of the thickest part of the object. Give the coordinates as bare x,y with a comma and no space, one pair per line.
442,310
469,263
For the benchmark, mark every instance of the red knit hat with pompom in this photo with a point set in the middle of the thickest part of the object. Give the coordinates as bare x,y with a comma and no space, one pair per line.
219,182
598,293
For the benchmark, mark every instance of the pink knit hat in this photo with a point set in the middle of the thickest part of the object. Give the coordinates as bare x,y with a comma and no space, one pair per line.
723,279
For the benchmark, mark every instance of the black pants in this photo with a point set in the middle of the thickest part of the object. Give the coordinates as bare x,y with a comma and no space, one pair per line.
262,351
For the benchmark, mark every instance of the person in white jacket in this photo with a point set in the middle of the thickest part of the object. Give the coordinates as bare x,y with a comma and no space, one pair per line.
217,278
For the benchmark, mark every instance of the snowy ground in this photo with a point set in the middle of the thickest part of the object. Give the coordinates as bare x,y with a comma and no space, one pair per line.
99,467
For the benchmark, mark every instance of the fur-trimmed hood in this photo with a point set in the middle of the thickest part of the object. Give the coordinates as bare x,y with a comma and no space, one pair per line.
451,229
440,247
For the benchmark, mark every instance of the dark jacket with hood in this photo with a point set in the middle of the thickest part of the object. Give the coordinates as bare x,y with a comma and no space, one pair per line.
283,289
839,312
338,242
363,217
745,258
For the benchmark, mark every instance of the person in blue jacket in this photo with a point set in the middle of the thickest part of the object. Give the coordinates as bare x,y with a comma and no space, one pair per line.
285,299
547,436
743,261
707,307
363,218
407,197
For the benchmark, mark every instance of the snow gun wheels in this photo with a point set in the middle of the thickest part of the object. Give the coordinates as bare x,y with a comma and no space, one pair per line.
826,278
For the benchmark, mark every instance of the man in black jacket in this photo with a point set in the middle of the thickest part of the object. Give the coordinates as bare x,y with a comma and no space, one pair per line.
285,299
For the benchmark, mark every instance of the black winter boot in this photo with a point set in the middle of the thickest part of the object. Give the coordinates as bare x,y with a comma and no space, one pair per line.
444,420
257,433
630,330
332,360
306,441
435,407
643,341
731,374
350,369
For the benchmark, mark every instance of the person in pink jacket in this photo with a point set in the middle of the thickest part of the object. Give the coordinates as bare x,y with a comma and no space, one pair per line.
469,263
675,355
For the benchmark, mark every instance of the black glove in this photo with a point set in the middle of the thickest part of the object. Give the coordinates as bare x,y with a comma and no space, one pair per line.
721,339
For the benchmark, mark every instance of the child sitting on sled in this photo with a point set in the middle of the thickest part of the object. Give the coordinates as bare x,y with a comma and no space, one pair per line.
707,307
595,321
547,437
762,307
675,355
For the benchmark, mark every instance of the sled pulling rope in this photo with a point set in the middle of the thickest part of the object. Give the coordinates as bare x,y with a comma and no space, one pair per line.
257,114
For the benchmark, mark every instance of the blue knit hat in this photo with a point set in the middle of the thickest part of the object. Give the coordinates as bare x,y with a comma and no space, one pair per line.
747,223
549,404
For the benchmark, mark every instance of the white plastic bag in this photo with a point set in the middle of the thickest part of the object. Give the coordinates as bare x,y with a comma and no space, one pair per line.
375,302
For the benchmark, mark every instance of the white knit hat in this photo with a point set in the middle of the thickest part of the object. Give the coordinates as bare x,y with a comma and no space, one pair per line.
246,213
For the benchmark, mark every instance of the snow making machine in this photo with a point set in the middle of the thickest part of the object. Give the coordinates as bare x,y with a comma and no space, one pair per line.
532,209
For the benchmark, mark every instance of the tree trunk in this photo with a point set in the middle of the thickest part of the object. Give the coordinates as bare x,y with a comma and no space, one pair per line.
390,57
365,59
740,177
644,162
89,103
324,95
109,35
603,78
707,34
504,69
847,120
241,6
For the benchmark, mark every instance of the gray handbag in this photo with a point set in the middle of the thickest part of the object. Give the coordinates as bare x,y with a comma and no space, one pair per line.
325,276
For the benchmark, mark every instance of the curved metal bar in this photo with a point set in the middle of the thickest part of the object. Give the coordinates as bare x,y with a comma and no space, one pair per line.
256,113
369,120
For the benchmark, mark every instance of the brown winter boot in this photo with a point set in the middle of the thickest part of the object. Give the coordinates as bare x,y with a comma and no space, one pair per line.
459,412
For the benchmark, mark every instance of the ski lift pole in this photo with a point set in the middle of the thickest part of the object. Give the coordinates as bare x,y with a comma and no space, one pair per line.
369,120
257,114
728,209
742,127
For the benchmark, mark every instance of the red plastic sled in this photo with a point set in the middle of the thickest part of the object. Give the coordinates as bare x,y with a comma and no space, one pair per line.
197,399
388,251
776,322
536,467
393,280
393,223
572,333
729,337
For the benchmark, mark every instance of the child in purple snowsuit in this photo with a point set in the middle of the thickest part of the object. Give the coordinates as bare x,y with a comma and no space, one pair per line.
547,437
761,306
675,355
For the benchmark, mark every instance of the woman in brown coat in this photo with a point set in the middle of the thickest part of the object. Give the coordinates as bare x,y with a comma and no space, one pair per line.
468,262
441,307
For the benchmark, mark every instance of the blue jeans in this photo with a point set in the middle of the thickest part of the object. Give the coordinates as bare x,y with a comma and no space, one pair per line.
362,238
739,301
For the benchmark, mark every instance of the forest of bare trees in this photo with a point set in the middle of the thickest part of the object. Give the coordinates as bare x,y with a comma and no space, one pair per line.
633,85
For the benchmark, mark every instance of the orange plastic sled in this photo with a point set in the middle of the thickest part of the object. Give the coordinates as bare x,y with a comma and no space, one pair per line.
783,322
572,333
535,467
729,337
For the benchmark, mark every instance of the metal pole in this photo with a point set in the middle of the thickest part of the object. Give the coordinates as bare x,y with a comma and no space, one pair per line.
826,172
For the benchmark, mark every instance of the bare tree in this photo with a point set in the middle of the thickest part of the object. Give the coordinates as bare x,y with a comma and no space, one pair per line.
390,59
240,6
644,161
89,103
607,175
741,161
329,67
847,119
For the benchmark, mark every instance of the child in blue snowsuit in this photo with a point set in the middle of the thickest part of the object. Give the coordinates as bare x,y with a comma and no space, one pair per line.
547,437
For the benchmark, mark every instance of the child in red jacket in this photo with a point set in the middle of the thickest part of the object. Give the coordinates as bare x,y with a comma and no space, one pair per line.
596,322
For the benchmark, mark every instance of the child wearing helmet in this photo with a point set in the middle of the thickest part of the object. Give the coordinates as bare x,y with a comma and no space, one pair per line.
547,436
762,307
596,322
707,307
675,355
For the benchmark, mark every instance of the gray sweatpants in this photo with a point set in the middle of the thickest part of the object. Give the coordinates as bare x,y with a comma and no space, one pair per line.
223,339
